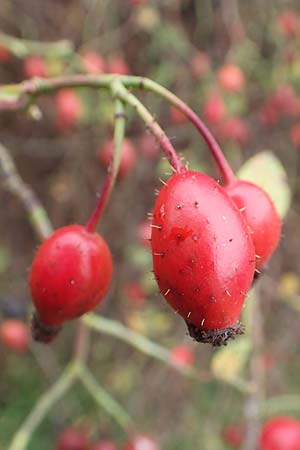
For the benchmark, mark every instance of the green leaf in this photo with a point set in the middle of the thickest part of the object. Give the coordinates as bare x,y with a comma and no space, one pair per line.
267,171
228,362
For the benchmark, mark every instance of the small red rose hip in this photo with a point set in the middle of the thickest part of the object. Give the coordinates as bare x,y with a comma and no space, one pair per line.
35,66
70,275
14,334
231,78
72,439
182,355
104,445
233,435
128,156
93,63
5,54
261,216
203,255
280,433
214,110
141,442
177,117
148,146
117,64
68,108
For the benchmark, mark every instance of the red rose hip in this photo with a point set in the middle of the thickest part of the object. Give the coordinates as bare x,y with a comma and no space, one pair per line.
203,255
141,442
72,439
280,433
14,334
70,275
261,216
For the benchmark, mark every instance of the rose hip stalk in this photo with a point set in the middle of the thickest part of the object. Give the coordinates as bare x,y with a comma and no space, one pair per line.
72,270
255,204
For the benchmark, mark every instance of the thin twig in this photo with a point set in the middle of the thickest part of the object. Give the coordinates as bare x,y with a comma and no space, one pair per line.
13,183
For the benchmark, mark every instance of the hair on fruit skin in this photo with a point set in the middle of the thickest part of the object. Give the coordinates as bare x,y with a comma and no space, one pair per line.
203,255
69,276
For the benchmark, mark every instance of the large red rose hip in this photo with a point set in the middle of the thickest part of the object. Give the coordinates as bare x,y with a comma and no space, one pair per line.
280,433
203,255
70,275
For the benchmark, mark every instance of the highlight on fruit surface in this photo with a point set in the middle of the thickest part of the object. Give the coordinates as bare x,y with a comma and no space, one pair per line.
280,433
70,275
203,255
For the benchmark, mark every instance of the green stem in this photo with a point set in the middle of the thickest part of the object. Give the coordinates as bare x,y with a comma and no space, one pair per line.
113,169
14,184
43,406
105,400
152,125
25,47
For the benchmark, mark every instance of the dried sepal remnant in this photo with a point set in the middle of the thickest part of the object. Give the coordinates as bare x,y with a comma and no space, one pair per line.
216,338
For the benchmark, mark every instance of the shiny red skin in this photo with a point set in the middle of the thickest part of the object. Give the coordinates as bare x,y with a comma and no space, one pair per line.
231,78
261,216
214,110
93,62
141,442
280,433
104,445
68,108
203,254
34,66
182,355
70,274
15,335
128,156
72,439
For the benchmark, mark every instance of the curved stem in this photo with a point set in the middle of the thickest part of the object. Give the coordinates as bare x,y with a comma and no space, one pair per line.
113,169
43,406
104,399
152,125
226,171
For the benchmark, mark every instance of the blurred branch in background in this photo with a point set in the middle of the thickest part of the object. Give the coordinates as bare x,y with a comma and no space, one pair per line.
12,182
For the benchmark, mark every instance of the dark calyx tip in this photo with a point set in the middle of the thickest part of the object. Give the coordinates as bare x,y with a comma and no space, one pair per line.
41,332
216,338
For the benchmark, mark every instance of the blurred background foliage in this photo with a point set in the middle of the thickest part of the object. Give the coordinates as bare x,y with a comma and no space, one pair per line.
184,45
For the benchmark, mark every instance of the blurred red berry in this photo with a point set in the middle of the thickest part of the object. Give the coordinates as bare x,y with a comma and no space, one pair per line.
236,130
269,114
233,435
182,355
280,433
14,334
118,65
295,135
214,110
5,54
141,442
72,439
288,23
93,62
35,66
134,293
144,233
200,64
104,445
148,146
68,108
231,78
128,157
177,117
